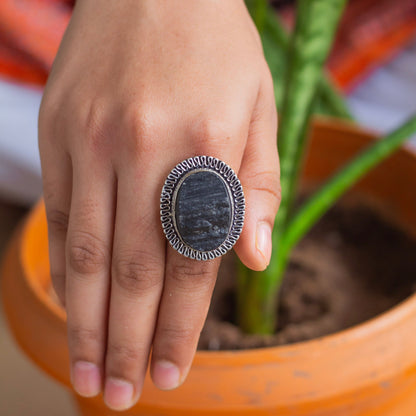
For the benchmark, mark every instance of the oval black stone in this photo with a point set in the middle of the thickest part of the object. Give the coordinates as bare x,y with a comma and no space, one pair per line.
203,211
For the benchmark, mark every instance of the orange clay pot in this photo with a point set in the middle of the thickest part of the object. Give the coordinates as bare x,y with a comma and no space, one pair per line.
367,370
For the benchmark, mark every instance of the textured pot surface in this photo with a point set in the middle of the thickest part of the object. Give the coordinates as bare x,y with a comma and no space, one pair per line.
367,370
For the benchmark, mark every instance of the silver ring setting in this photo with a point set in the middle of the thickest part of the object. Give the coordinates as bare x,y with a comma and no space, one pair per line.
202,208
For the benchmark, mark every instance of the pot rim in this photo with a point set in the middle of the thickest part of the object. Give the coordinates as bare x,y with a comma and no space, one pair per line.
352,334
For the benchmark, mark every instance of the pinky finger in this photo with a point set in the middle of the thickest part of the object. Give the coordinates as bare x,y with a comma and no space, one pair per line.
57,188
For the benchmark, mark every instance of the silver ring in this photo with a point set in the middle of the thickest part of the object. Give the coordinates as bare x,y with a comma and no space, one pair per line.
202,208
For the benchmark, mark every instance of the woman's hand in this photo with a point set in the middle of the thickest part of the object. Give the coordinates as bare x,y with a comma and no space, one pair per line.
137,87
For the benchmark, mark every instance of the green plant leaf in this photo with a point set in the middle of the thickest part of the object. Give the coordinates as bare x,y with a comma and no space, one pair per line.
322,200
315,27
275,43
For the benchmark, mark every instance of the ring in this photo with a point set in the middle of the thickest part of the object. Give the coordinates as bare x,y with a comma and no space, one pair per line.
202,208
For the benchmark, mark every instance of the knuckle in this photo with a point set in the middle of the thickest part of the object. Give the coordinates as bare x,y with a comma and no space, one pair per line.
178,335
143,129
210,129
86,254
57,278
189,276
266,181
123,356
57,220
96,134
209,133
84,339
266,103
137,273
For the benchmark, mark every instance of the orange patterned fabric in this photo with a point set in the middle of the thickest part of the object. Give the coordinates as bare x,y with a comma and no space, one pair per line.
30,33
371,32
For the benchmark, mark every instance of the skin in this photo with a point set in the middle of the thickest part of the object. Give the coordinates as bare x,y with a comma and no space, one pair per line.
138,86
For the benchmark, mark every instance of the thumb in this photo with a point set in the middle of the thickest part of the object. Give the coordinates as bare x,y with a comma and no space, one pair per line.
260,176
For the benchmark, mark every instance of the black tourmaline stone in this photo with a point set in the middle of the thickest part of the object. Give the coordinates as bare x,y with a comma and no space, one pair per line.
203,211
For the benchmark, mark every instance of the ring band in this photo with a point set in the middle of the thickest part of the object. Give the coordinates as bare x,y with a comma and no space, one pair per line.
202,208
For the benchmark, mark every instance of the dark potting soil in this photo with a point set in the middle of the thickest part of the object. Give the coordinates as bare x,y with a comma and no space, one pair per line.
353,265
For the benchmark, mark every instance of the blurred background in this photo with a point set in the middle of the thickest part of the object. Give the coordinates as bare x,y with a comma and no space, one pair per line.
373,64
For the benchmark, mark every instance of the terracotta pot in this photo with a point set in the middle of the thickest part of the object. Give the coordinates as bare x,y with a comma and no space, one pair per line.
367,370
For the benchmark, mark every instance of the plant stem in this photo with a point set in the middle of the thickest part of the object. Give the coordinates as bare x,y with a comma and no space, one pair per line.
255,302
322,200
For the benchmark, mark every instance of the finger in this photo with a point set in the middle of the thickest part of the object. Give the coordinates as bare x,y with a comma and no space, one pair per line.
137,280
57,188
189,283
259,175
185,301
88,255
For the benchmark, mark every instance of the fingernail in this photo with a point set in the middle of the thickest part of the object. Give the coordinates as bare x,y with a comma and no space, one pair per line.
86,378
166,375
118,394
264,240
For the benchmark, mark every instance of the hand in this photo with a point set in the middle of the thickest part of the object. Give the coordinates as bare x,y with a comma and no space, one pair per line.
137,87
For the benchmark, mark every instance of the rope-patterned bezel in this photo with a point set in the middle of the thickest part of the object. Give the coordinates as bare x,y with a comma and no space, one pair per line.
167,205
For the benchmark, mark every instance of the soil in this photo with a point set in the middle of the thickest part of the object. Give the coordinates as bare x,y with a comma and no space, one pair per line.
353,265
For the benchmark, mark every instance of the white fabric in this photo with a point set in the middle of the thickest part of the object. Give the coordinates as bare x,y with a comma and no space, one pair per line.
20,177
388,97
